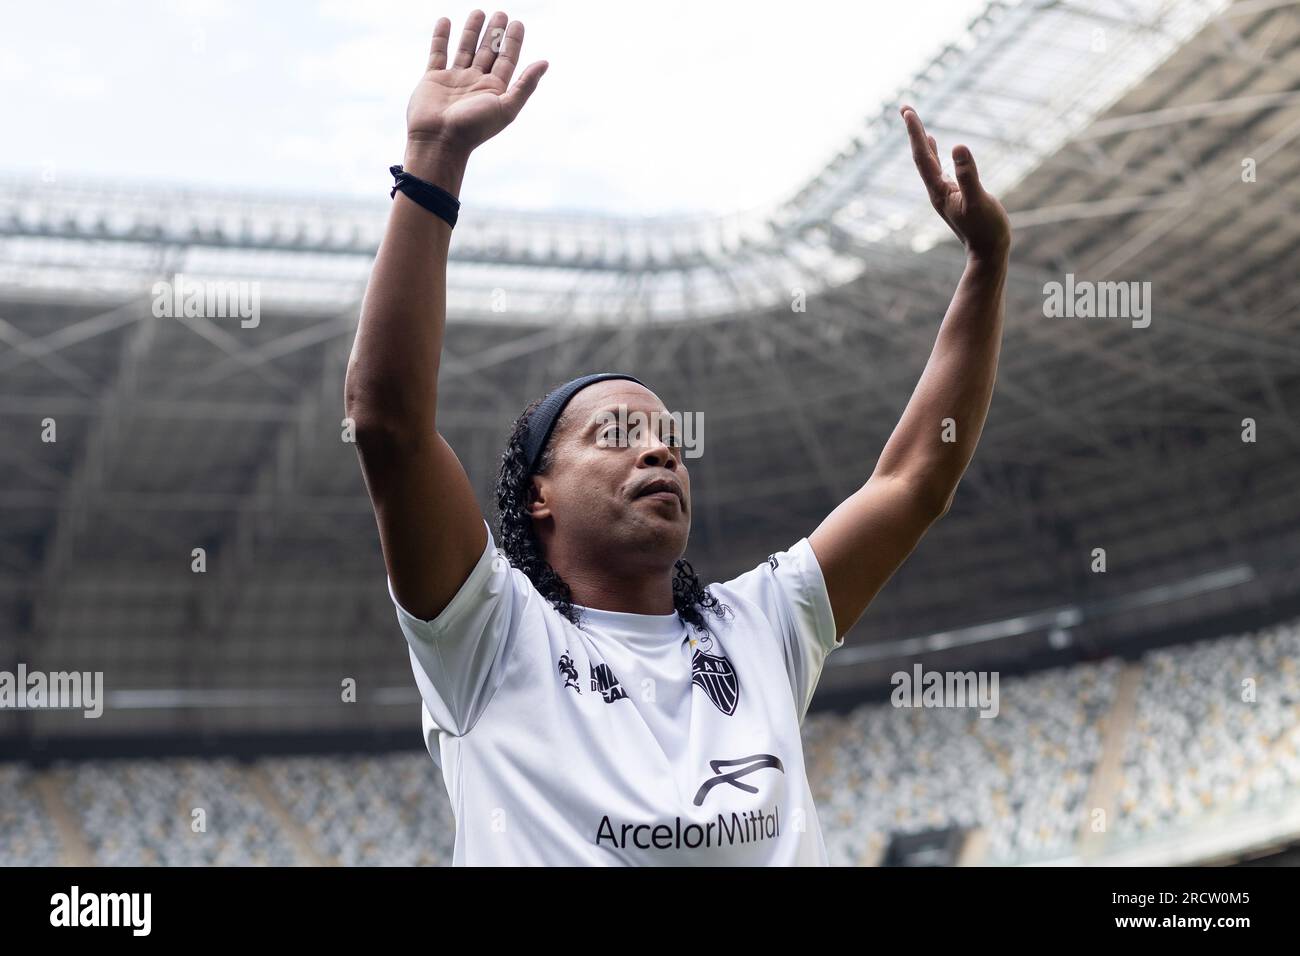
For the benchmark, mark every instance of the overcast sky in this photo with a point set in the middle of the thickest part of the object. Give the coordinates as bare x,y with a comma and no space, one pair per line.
664,106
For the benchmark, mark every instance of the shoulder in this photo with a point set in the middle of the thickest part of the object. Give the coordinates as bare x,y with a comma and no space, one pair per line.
794,569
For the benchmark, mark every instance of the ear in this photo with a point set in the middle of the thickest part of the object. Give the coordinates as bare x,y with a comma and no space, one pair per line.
538,508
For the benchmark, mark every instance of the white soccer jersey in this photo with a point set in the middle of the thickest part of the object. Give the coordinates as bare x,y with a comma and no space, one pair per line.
634,739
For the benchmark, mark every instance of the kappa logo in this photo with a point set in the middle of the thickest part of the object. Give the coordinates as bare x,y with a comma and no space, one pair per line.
714,675
569,671
603,680
746,765
771,559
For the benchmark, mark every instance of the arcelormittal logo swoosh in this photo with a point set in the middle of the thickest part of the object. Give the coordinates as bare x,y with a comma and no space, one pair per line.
746,765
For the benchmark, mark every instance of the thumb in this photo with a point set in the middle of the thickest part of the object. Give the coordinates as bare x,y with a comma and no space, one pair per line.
968,177
515,98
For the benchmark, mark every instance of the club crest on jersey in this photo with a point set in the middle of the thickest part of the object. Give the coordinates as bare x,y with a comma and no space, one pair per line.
604,681
714,675
569,671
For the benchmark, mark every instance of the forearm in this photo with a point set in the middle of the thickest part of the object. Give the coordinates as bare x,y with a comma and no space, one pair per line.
393,370
957,384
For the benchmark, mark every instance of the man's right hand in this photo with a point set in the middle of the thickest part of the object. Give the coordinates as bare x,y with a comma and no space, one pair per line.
460,105
430,525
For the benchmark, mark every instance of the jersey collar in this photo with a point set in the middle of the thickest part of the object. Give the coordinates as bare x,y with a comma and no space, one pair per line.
637,625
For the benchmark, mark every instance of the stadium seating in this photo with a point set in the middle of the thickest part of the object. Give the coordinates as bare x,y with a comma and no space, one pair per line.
1022,776
1197,745
147,813
1214,730
366,811
27,835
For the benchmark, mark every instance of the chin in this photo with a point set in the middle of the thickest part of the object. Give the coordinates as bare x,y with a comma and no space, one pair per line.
662,536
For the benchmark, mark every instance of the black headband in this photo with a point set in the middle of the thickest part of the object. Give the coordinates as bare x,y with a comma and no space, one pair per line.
542,421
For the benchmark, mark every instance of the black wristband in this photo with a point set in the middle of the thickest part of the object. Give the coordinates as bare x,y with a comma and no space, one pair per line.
433,198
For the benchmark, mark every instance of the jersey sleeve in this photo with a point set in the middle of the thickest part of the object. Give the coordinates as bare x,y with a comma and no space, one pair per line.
789,590
459,657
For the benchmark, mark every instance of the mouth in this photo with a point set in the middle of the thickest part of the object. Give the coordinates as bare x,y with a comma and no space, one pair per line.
662,489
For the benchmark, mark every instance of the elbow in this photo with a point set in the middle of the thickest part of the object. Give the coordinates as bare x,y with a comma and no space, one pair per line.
947,505
936,499
358,402
925,498
382,421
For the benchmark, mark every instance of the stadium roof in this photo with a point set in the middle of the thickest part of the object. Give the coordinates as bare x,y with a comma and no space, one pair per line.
1115,134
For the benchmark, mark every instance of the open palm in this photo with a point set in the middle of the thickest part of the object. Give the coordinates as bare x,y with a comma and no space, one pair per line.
462,104
976,216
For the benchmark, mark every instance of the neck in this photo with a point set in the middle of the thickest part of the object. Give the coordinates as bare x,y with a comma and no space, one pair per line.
600,582
633,594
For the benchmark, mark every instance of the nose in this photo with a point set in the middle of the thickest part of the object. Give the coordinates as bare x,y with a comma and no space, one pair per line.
656,453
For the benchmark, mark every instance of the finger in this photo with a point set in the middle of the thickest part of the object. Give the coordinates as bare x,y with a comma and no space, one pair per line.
491,42
934,146
469,39
968,177
508,58
438,48
515,98
927,163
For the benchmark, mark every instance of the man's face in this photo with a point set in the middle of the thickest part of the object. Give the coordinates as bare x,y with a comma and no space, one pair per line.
618,485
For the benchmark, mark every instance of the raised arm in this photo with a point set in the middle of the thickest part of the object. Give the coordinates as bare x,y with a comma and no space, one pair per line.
864,541
430,526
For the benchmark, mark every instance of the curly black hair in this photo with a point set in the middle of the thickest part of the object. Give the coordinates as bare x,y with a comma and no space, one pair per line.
519,540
